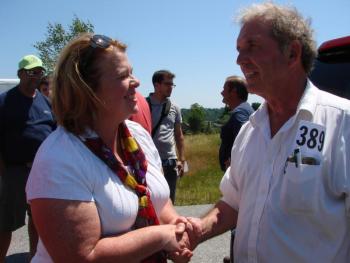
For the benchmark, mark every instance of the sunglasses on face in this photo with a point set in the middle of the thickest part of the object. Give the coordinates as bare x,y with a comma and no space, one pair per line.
35,73
96,41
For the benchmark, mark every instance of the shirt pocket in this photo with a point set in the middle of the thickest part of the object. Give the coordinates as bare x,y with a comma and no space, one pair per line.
300,188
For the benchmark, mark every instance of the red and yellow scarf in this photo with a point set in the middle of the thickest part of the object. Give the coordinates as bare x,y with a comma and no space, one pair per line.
133,175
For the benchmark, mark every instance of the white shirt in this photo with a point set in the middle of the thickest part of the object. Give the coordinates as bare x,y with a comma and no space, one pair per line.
288,213
64,168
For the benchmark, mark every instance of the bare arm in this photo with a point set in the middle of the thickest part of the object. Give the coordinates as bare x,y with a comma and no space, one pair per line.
169,215
180,145
71,232
220,219
180,141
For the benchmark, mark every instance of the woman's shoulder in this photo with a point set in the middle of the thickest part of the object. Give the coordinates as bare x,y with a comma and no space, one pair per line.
59,146
60,136
63,169
137,131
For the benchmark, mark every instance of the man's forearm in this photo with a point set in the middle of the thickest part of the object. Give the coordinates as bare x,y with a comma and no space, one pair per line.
219,220
180,144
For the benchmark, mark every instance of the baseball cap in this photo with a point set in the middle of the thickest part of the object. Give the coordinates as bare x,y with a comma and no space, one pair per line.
30,62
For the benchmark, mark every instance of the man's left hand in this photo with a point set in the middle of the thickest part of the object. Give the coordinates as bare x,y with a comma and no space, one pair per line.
180,168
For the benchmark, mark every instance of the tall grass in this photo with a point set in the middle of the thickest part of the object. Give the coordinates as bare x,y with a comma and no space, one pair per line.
201,184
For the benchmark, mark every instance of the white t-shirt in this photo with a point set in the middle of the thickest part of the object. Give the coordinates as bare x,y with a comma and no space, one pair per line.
64,168
288,211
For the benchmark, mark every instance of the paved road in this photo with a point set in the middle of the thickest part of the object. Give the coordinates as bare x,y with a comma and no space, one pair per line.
211,251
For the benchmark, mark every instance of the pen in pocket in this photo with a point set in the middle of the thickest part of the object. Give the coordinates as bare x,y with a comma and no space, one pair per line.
297,156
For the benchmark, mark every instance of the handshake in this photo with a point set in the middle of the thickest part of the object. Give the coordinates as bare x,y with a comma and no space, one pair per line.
187,234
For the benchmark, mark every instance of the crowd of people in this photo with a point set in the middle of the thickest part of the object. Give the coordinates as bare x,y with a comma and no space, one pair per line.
97,170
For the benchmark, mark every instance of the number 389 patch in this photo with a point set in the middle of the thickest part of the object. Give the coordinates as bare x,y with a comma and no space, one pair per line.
310,137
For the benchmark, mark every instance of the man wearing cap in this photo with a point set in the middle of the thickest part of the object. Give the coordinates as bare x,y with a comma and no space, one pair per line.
25,121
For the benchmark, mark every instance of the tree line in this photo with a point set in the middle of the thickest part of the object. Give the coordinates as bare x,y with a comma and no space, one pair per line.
196,120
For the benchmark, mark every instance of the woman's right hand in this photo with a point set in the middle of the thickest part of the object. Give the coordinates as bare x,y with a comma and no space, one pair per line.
176,237
178,244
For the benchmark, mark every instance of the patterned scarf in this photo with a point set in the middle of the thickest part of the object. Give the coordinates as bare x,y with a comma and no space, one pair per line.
132,175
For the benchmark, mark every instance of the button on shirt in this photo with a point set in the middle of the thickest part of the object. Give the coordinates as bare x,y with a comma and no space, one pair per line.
292,190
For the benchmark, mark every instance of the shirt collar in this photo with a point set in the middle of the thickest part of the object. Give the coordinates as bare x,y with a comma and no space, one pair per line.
243,104
308,102
259,115
155,102
305,110
260,119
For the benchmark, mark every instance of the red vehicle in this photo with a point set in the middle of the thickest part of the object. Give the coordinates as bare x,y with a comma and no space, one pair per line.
332,67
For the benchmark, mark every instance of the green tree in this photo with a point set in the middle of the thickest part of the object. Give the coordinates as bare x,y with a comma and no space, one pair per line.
196,118
57,37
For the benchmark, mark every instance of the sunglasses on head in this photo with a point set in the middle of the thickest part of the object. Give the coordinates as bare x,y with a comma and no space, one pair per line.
96,41
100,41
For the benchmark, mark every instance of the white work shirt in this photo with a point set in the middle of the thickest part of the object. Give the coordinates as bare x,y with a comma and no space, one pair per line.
291,211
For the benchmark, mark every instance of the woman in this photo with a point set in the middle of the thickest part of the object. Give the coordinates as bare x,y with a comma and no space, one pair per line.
96,188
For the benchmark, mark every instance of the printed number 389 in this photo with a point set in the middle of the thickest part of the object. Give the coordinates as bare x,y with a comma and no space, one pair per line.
311,137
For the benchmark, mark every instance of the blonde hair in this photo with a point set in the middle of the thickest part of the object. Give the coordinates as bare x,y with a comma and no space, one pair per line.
74,101
287,25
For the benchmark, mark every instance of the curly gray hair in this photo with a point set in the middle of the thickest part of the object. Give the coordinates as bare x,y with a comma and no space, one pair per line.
287,25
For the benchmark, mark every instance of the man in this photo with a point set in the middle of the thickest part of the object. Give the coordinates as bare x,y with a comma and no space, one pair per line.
288,186
25,121
166,128
234,95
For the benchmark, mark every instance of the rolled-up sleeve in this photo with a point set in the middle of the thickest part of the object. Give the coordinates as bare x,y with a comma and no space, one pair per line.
229,189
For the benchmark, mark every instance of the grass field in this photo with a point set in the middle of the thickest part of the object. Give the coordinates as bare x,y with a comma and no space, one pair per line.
201,184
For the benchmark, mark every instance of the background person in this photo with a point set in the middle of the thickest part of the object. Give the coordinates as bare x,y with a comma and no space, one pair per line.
234,95
25,122
288,187
143,115
44,87
166,128
97,179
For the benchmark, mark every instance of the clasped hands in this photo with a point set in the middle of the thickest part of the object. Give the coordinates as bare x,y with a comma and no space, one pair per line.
188,233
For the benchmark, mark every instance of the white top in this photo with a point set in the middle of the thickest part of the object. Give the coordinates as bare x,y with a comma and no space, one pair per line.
64,168
288,213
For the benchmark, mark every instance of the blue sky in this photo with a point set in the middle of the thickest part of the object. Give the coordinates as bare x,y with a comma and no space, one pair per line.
195,39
